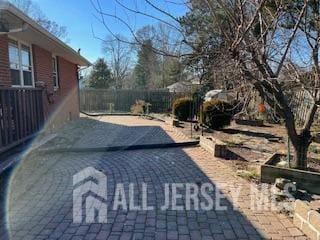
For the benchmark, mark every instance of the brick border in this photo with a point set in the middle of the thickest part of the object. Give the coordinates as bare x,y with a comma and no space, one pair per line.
307,219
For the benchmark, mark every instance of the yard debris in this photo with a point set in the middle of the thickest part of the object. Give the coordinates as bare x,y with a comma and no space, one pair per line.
283,163
252,175
274,139
286,185
280,196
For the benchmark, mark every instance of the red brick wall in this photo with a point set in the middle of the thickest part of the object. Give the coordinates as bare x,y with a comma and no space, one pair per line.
42,66
5,79
64,104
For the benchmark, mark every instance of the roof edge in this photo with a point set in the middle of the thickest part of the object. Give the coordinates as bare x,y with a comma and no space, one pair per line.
5,5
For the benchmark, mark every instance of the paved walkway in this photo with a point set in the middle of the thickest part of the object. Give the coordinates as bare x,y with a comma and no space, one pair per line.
40,200
126,130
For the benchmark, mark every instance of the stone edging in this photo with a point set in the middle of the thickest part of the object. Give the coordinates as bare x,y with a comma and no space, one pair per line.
307,219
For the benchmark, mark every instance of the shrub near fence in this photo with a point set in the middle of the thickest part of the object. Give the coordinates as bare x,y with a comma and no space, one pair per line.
99,100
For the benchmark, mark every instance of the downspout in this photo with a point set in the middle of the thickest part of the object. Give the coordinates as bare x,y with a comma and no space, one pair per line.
78,87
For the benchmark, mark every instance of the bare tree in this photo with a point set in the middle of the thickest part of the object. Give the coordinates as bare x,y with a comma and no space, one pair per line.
259,38
30,8
127,23
119,55
167,41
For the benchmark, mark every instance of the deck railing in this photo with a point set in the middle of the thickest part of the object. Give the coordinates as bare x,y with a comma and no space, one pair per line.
21,115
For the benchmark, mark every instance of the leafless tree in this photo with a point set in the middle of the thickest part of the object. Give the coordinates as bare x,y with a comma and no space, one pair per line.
30,8
170,24
262,39
167,41
119,55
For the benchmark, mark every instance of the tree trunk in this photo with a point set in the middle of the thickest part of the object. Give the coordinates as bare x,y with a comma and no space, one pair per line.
301,151
300,157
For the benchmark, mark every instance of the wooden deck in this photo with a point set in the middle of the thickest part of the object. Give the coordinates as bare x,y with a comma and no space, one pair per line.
21,115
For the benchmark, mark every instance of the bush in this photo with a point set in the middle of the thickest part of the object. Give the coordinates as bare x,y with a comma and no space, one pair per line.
181,108
140,107
216,114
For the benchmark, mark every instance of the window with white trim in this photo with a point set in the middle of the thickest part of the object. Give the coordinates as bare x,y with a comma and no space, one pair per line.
55,75
20,59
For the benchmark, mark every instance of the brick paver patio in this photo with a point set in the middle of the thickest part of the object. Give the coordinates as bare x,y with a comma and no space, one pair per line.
40,193
126,130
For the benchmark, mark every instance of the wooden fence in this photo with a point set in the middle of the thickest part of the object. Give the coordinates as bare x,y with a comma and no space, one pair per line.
21,115
100,100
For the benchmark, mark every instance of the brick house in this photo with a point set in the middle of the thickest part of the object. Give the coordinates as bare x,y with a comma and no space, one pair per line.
38,77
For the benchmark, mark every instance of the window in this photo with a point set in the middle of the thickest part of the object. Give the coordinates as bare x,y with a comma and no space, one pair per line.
14,63
20,64
55,76
26,65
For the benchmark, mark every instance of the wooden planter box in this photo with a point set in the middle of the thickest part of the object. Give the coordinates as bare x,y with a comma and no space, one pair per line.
172,121
175,123
254,123
305,180
215,146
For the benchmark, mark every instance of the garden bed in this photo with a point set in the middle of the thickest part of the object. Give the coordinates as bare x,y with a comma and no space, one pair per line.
305,180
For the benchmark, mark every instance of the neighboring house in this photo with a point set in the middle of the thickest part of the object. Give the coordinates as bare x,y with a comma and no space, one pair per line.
184,87
191,83
38,78
220,94
179,87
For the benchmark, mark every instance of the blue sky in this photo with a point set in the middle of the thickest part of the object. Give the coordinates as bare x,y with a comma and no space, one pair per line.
78,17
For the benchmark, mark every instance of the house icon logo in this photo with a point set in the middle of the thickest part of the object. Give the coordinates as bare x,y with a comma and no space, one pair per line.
89,194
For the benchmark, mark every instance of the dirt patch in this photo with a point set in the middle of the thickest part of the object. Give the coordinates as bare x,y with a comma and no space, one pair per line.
254,144
251,160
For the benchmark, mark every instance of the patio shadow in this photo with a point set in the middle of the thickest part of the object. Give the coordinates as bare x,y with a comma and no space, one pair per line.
40,193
